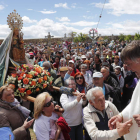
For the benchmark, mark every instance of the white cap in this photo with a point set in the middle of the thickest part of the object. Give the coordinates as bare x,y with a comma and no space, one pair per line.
118,67
71,61
83,56
97,74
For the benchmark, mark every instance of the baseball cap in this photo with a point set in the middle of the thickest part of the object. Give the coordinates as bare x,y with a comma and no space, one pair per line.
83,56
31,53
63,69
97,75
71,61
118,67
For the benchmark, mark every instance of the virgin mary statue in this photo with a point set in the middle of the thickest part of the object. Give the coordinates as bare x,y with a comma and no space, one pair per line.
12,53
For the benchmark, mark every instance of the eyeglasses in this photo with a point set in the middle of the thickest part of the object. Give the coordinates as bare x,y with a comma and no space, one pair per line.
49,103
77,78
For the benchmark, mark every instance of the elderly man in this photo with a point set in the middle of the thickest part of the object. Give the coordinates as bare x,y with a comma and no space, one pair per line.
13,115
108,91
47,66
96,116
60,80
111,81
87,76
58,83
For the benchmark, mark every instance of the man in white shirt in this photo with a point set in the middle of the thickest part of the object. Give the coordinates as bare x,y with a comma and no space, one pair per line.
130,55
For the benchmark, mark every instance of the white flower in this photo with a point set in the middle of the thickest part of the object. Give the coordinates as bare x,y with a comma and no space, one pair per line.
13,82
24,75
27,86
14,79
29,82
19,81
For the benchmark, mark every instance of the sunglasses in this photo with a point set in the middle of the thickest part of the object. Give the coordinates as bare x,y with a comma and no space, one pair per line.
49,103
79,78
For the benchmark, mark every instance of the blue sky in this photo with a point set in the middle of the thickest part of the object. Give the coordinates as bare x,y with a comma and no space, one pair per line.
60,17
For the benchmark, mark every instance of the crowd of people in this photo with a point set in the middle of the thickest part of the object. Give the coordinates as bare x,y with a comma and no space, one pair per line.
103,83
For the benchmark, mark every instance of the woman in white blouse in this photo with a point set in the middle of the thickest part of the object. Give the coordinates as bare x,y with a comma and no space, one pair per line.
73,110
43,114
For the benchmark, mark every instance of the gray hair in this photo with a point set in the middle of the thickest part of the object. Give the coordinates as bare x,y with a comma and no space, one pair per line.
131,51
64,61
67,55
46,64
66,83
83,65
91,93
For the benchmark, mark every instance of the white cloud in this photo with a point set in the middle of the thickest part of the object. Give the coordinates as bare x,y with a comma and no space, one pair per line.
63,5
73,5
119,7
4,31
29,9
47,12
1,7
28,20
41,28
88,11
88,17
63,19
81,23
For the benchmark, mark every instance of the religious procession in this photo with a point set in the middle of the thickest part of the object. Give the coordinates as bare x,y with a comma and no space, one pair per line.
70,90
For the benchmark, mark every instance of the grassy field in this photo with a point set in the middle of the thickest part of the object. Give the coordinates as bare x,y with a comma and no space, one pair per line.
33,136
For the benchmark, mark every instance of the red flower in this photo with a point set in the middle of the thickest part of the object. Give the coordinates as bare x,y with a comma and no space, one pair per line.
38,70
28,92
48,73
44,85
29,76
37,89
25,81
36,73
33,83
21,75
50,83
40,80
20,78
45,78
21,90
14,75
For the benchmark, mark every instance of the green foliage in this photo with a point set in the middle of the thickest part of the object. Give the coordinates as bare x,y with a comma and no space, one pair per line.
80,37
76,39
121,37
106,37
128,38
72,35
137,36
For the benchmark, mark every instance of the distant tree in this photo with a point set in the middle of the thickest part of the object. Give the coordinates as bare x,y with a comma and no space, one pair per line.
121,37
80,37
137,36
76,39
128,38
72,35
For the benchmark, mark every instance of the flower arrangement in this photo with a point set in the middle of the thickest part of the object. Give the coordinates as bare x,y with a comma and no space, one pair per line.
29,79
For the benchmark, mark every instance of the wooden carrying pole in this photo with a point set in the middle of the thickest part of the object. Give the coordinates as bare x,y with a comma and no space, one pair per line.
32,99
